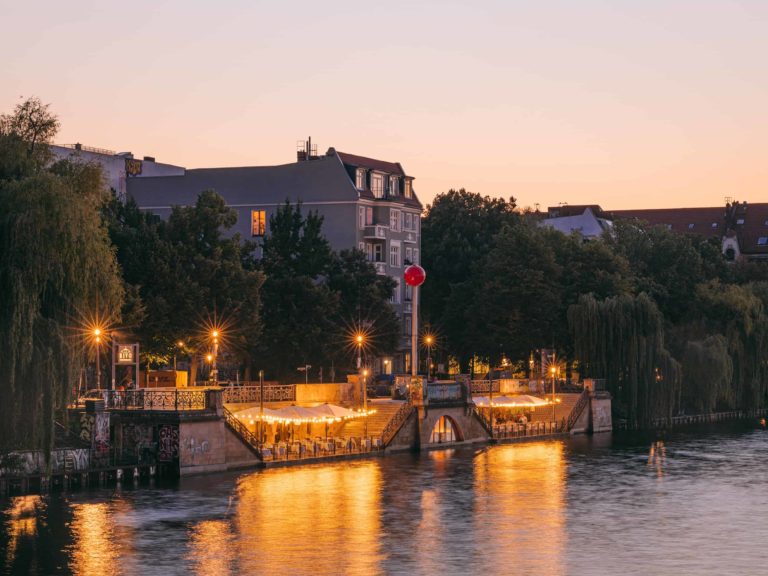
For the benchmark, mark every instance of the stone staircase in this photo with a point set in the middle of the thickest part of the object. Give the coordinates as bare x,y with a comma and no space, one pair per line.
562,410
385,411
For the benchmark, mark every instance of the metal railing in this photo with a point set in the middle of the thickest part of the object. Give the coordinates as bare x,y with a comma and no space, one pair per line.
517,430
249,394
241,430
152,399
442,393
577,409
396,422
484,386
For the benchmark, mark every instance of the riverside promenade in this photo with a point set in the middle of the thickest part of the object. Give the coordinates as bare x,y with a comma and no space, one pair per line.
136,436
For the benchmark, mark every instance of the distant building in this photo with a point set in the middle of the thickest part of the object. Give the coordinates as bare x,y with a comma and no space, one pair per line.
742,228
118,167
589,222
366,203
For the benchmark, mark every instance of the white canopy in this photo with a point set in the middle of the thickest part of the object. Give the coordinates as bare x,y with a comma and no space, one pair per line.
301,414
518,401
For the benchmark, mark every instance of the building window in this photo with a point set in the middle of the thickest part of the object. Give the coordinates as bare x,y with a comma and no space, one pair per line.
408,292
690,226
258,222
377,185
408,255
395,299
765,223
394,186
407,221
408,192
714,224
360,179
416,223
415,255
443,431
740,221
373,251
407,327
361,246
394,220
762,241
369,216
394,254
361,217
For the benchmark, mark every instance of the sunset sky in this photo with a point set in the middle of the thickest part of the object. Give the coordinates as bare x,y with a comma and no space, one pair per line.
627,104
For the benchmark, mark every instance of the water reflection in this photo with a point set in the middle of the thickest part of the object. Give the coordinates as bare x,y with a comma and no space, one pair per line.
101,542
326,518
519,516
22,523
656,457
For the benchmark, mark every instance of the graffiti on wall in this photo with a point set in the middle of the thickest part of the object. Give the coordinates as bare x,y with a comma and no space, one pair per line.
62,461
100,434
168,445
137,442
86,426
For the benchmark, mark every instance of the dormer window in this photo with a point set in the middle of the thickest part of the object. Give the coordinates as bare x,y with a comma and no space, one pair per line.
394,186
408,192
360,179
377,185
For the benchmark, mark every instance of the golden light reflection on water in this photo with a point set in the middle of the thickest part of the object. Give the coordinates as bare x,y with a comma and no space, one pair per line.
100,544
22,523
520,508
657,456
326,519
212,550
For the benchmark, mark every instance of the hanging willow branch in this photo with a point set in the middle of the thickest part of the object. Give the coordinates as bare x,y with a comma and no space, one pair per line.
621,339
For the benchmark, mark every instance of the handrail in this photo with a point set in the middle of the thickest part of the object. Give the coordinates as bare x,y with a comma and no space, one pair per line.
248,394
483,422
396,422
577,409
246,435
183,399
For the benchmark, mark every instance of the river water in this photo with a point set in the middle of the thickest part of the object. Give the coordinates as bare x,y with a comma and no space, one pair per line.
687,503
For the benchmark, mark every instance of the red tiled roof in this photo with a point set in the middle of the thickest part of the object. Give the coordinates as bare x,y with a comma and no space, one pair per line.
692,220
363,162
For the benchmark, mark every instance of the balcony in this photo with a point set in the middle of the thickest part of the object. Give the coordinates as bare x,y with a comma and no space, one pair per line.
381,268
376,232
410,238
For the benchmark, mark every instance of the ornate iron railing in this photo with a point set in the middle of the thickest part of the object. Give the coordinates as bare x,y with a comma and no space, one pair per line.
577,409
250,394
247,436
148,399
445,393
396,422
484,386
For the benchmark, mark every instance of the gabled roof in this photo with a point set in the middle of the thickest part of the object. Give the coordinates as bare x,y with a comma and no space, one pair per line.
692,220
371,163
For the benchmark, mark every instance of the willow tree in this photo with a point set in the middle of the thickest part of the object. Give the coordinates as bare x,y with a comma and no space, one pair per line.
56,263
707,369
621,339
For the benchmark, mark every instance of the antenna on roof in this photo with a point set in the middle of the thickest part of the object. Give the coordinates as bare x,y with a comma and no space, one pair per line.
305,150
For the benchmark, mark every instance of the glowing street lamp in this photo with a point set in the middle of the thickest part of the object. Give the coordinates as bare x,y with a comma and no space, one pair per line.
428,340
214,369
365,404
553,370
97,340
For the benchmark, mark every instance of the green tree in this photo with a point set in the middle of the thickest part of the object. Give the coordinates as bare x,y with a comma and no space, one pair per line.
57,270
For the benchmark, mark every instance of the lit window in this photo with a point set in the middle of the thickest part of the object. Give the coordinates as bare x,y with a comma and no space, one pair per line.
394,220
258,222
408,192
377,185
740,221
690,226
762,241
714,224
360,181
394,255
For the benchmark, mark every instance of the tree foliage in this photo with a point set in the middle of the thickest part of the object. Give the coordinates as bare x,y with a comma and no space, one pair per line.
57,270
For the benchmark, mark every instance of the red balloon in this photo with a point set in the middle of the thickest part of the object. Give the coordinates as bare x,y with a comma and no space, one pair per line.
415,275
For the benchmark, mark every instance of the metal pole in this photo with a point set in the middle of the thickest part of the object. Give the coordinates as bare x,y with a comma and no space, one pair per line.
553,385
365,408
98,363
215,357
414,332
261,406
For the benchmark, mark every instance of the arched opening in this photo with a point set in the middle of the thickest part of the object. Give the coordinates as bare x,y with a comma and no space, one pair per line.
444,431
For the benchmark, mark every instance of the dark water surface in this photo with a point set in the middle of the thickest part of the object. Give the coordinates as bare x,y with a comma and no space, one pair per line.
684,504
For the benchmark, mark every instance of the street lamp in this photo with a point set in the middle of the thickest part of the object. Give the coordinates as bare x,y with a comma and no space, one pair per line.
553,370
365,404
97,340
214,369
428,339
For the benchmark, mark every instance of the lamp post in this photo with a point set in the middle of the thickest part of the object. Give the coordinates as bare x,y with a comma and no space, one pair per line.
261,406
97,339
214,369
428,340
414,277
553,370
365,404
